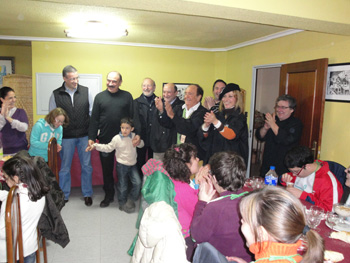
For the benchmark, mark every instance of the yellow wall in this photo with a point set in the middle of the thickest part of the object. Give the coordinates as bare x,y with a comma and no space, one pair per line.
295,48
23,57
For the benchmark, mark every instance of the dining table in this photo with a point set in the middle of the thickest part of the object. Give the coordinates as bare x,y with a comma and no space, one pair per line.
324,231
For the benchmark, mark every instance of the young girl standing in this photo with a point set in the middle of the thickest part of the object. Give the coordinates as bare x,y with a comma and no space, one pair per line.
45,129
32,189
273,221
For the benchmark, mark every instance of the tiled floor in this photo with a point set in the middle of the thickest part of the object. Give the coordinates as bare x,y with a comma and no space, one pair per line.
97,235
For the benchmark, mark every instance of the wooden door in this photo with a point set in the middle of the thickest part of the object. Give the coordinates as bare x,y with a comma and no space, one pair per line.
306,81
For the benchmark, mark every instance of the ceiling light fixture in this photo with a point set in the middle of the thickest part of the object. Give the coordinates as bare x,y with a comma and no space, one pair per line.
96,29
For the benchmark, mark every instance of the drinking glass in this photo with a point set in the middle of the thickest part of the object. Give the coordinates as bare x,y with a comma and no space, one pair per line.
332,220
317,211
248,182
258,182
313,219
343,210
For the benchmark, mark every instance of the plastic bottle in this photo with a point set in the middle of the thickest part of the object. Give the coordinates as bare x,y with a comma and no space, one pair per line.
271,177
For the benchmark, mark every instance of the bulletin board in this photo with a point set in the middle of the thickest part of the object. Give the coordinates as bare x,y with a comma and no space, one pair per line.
46,83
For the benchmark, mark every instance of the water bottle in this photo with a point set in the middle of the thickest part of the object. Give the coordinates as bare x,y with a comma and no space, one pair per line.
271,177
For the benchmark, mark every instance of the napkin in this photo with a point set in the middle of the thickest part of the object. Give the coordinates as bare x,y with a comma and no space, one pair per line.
333,256
341,235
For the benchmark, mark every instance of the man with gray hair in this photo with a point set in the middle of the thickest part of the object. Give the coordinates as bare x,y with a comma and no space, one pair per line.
76,100
147,115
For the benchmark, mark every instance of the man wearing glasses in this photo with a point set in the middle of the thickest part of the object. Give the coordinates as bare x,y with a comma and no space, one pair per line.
311,180
77,101
280,132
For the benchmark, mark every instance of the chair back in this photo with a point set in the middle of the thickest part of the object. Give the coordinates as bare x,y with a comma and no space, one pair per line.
53,156
13,226
338,170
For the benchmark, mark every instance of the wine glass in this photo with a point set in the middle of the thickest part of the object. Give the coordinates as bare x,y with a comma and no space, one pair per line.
317,211
313,219
332,220
258,182
343,210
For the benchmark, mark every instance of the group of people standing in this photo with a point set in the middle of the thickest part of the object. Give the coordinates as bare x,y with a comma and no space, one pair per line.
218,125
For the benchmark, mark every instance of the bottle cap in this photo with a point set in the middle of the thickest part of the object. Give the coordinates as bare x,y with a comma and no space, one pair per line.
272,167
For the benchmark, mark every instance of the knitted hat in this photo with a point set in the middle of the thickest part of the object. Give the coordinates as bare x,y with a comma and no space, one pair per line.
229,87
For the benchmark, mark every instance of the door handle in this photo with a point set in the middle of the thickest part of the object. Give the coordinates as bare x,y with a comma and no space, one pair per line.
314,149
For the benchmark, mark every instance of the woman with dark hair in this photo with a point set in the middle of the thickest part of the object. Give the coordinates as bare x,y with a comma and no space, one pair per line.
226,130
45,129
216,220
22,172
281,132
13,123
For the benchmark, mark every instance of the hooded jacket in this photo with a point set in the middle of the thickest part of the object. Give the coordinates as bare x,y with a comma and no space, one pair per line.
41,134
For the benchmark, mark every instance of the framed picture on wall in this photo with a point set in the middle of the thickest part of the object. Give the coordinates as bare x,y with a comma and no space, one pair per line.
338,82
7,66
181,87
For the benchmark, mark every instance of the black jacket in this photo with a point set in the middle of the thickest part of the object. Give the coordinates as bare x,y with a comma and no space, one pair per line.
276,146
162,138
215,142
78,113
147,117
188,127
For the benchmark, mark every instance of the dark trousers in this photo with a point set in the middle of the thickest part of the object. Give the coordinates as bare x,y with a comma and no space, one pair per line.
107,163
143,154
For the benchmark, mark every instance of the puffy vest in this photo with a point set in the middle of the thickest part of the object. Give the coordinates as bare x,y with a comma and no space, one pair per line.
78,114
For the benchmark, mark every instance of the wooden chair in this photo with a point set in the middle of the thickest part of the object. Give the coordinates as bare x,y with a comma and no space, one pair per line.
14,239
53,157
53,165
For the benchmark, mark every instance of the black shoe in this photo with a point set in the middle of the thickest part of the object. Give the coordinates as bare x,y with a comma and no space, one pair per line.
66,201
105,202
88,201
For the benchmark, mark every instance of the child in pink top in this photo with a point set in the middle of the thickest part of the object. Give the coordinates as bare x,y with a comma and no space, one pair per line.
181,162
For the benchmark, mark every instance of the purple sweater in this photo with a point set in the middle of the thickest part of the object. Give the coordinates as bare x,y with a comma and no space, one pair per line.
13,140
218,222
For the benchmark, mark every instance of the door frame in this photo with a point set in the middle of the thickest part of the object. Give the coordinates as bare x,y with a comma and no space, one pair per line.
252,108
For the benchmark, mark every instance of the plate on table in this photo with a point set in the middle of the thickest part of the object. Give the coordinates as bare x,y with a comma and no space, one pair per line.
341,226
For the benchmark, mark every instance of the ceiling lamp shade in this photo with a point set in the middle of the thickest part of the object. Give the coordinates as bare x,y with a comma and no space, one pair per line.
96,29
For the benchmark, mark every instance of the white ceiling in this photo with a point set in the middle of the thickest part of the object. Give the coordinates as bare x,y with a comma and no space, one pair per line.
192,24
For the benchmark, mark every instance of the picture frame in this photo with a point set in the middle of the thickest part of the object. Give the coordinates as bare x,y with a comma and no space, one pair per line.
181,87
338,82
7,66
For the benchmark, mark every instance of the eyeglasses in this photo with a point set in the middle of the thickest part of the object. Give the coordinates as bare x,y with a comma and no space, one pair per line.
59,121
299,172
73,79
281,107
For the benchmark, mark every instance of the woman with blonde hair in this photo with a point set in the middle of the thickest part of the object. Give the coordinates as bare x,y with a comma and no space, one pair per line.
273,223
227,130
44,129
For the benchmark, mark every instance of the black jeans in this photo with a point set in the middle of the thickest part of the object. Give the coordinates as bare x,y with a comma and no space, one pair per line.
107,163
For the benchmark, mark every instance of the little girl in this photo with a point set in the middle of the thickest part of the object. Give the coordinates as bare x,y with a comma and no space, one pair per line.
181,161
32,189
45,129
273,221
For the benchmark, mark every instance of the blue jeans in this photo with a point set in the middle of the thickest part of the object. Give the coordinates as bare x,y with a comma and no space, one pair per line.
124,172
30,258
67,152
